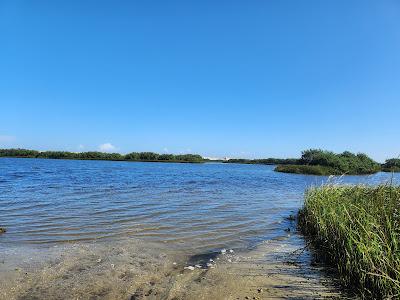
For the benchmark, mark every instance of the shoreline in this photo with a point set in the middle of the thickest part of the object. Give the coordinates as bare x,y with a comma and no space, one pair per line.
133,269
118,160
312,161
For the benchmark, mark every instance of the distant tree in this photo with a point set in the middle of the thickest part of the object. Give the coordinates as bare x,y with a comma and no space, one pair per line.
132,156
167,157
391,165
18,153
148,156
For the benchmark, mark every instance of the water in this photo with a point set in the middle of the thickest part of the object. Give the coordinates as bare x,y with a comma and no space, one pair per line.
84,208
195,206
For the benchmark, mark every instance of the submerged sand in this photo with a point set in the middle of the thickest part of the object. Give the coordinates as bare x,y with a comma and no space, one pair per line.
135,269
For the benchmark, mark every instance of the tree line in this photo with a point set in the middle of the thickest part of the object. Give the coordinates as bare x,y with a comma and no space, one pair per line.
312,161
322,162
94,155
391,165
264,161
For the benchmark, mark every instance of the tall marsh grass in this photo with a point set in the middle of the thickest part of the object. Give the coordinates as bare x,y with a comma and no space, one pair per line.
357,229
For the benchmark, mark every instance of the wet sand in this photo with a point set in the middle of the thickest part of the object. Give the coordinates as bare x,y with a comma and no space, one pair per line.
134,269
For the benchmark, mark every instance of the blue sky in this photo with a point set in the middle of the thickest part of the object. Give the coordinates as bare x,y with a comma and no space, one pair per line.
219,78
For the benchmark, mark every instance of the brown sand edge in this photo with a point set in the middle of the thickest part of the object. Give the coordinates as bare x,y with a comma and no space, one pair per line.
140,271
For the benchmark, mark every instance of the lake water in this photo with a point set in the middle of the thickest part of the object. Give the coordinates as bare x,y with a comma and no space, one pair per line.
193,208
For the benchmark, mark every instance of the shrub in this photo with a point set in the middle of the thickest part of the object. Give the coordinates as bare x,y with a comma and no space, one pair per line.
391,165
330,163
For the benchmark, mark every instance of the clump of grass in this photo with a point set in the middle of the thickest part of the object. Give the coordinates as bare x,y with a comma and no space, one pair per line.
357,228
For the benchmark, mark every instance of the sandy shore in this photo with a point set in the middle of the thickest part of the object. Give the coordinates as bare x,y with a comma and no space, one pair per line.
137,270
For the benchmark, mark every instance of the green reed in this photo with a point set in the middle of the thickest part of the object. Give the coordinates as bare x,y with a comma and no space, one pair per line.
357,229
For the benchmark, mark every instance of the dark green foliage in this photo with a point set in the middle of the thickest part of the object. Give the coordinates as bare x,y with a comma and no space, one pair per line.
148,156
18,153
264,161
357,230
133,156
166,157
306,169
189,157
319,162
94,155
56,154
391,165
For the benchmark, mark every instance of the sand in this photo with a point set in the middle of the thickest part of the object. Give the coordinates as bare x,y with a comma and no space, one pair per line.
134,269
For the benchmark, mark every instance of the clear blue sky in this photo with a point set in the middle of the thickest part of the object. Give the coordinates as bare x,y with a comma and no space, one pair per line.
219,78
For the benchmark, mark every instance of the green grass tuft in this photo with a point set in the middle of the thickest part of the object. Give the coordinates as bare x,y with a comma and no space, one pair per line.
357,228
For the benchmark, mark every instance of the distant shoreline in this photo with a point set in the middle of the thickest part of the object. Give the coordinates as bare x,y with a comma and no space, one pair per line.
93,155
325,163
122,160
312,162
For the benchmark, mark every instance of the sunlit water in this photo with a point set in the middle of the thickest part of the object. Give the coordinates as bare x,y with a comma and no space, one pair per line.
197,207
124,230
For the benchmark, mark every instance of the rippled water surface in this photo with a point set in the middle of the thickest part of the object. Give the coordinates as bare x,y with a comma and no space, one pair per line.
192,206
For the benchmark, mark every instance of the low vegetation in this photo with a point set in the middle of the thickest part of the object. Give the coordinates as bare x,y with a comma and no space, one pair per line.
134,156
305,169
314,161
391,165
357,229
320,162
264,161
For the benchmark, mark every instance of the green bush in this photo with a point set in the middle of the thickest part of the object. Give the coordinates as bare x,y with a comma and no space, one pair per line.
391,165
320,162
306,169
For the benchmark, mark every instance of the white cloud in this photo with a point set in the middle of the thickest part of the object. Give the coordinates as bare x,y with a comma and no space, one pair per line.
81,147
107,147
165,149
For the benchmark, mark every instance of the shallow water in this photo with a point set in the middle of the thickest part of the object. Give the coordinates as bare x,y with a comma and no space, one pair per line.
161,212
196,206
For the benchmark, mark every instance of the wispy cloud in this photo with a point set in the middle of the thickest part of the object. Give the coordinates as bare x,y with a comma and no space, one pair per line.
107,147
7,139
81,147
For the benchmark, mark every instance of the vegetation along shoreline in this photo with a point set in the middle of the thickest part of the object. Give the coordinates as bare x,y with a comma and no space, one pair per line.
312,162
320,162
356,230
94,155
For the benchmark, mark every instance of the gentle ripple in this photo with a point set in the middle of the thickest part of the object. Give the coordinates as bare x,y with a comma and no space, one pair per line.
193,206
